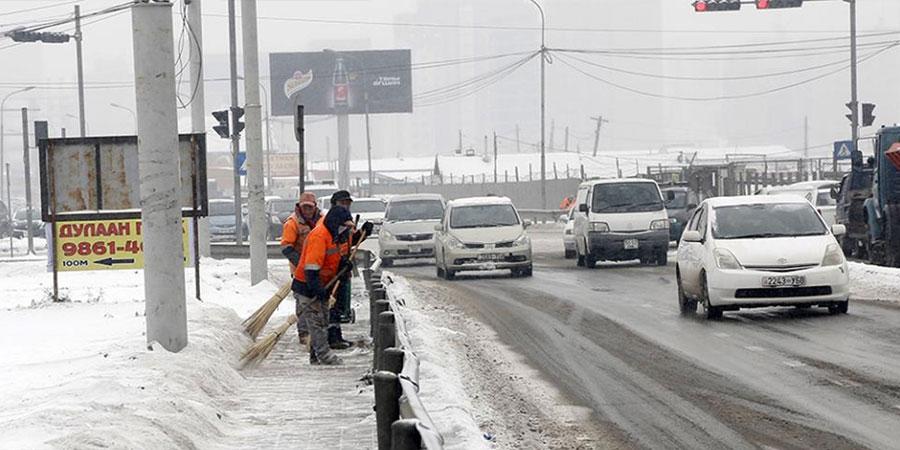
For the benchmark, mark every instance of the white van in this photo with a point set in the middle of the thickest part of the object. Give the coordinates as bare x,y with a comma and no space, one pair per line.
620,220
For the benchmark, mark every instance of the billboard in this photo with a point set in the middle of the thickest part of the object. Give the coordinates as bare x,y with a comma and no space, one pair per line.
330,82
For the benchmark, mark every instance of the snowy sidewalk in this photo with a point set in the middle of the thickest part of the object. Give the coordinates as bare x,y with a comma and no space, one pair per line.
287,403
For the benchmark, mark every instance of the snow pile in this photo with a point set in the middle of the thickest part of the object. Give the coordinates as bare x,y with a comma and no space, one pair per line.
80,374
868,282
442,390
20,246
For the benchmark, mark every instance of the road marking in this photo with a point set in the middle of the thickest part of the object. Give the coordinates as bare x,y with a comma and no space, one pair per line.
835,382
754,348
722,335
793,363
646,305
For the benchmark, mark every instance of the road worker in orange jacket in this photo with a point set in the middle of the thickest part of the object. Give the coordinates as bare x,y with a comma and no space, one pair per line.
319,263
294,232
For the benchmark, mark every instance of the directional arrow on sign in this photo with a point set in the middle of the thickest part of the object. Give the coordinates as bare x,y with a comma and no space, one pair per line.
111,261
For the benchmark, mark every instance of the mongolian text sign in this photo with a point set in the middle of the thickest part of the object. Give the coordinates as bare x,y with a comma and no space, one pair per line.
105,245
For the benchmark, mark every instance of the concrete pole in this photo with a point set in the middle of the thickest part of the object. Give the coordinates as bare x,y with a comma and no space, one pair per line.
343,125
9,211
235,137
27,168
198,106
518,141
154,69
369,148
854,93
256,202
80,60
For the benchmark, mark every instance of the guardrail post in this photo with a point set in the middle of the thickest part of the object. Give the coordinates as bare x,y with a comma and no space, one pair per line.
387,406
386,337
375,309
392,359
405,435
367,277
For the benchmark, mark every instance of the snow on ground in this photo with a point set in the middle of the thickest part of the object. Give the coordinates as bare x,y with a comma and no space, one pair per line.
442,390
868,282
79,373
20,247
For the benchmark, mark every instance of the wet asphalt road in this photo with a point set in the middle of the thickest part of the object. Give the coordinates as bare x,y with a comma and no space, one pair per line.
612,339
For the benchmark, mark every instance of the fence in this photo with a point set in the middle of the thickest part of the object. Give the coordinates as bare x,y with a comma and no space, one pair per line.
402,422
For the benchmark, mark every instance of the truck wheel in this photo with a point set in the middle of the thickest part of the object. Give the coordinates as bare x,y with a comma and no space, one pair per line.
580,260
590,260
662,257
569,254
385,262
891,242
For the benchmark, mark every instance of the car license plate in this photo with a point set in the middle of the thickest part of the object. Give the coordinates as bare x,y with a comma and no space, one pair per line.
415,249
488,257
631,244
784,281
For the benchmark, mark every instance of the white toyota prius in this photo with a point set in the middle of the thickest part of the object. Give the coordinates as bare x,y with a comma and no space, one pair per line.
747,252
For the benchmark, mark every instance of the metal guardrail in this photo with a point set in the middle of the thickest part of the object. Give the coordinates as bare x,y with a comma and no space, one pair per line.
402,421
542,215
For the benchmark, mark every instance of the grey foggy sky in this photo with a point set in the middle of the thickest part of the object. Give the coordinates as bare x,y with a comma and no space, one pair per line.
636,122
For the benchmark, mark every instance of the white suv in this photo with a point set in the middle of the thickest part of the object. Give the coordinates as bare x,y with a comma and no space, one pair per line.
408,228
482,233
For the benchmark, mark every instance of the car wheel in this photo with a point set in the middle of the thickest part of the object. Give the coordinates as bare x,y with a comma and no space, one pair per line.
579,260
712,312
839,307
590,260
387,262
685,305
570,254
449,275
847,246
525,271
440,272
662,257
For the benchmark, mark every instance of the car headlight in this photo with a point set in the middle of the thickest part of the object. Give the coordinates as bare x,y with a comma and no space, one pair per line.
600,227
661,224
833,256
385,235
726,260
453,242
522,241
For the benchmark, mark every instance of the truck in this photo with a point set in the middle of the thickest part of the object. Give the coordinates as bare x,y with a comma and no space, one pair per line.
883,207
850,196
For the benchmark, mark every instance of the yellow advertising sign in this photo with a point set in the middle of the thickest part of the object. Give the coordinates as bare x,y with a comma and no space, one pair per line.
106,245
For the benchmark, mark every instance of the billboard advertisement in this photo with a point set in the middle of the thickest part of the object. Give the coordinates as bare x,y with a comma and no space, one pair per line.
345,82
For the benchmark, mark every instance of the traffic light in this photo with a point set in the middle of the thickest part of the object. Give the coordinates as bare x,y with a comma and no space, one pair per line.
778,4
852,116
236,114
34,36
867,117
717,5
222,129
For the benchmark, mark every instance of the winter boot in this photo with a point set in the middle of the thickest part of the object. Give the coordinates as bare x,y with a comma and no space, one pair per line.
330,359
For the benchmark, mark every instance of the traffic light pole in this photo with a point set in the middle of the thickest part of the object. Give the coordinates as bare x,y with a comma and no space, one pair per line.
235,136
854,98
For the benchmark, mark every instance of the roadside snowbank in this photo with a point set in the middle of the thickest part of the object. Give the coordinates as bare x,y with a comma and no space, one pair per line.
80,374
868,282
442,390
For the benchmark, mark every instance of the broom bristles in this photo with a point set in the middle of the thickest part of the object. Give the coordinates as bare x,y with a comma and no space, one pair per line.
254,324
261,349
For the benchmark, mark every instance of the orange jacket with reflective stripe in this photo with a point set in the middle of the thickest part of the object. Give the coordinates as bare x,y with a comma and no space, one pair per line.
319,253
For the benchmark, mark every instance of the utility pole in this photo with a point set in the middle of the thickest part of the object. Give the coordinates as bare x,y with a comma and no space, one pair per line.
235,135
9,211
600,121
552,134
543,104
2,132
854,97
566,145
485,145
198,104
256,202
80,58
300,134
495,157
805,137
369,148
27,161
460,141
160,178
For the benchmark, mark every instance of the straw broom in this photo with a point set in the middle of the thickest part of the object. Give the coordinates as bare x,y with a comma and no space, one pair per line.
260,350
254,324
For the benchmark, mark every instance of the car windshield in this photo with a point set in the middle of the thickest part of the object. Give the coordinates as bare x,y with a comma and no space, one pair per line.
367,206
679,201
408,210
483,216
221,208
766,220
286,206
626,197
824,198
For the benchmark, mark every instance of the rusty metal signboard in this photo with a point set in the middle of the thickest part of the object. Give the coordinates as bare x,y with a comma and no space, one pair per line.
97,178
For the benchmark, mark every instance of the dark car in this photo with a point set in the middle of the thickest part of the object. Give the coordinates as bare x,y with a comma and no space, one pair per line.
5,224
20,223
680,204
852,193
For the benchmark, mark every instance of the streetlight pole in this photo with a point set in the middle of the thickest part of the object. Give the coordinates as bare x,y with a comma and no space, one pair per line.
133,116
854,97
3,136
80,69
543,105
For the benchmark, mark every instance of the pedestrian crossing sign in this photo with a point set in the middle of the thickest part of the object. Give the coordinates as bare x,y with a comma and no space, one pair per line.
843,149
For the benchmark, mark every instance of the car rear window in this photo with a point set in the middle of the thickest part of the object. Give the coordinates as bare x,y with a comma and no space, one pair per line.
221,208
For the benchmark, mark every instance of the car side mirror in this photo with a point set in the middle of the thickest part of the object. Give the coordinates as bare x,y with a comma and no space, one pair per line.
670,196
583,208
526,223
838,229
438,227
691,236
834,192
